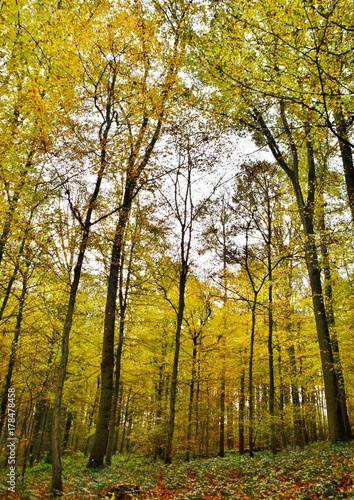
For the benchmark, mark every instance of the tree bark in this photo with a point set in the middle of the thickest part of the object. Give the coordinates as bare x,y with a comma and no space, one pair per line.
298,431
250,380
273,445
347,157
99,447
12,358
174,380
328,295
241,416
191,397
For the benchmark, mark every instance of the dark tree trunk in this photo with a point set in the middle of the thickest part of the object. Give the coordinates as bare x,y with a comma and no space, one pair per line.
241,416
185,219
68,425
123,300
12,358
298,430
347,157
99,447
113,421
191,398
328,292
250,381
222,412
273,445
134,170
281,399
335,417
174,380
125,419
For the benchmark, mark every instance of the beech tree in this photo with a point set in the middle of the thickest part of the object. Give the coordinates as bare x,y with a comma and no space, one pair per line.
287,126
144,120
163,289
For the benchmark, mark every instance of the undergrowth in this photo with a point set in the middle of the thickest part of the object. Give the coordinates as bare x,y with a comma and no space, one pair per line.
318,472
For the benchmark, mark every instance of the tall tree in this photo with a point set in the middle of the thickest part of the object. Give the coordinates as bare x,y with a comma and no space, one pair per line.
259,99
144,120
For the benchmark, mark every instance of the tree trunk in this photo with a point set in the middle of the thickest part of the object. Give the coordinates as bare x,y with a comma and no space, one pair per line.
332,327
298,430
191,398
12,358
347,157
281,398
334,410
174,380
241,416
68,425
134,170
125,420
250,380
273,445
123,300
222,412
112,425
100,443
119,418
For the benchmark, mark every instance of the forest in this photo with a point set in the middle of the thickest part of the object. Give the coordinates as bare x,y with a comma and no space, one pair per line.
176,249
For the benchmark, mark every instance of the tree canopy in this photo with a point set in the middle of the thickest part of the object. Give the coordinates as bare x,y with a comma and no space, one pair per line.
176,220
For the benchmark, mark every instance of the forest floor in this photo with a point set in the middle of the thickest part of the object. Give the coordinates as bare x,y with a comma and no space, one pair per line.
318,472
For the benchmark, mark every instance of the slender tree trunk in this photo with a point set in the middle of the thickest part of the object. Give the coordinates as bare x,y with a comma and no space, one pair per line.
68,426
123,300
185,219
57,481
12,358
110,447
250,380
90,417
119,418
197,396
222,412
191,398
174,380
230,426
335,417
298,431
281,398
241,416
334,409
273,445
207,423
313,419
223,336
125,421
157,449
